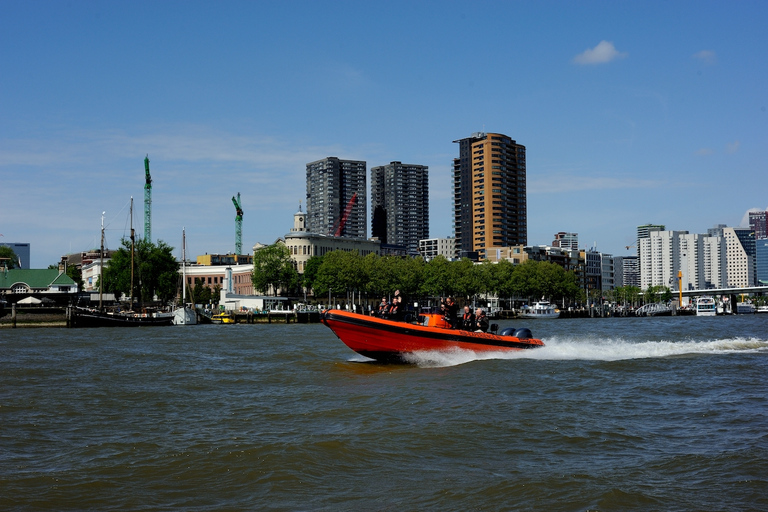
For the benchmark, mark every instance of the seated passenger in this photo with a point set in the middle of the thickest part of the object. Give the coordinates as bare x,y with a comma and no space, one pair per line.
481,321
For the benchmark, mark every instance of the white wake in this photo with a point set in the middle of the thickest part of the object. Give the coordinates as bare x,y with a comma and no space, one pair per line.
595,349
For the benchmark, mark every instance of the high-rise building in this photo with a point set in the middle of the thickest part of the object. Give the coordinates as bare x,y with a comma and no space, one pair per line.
566,240
758,223
740,255
336,197
761,258
400,204
489,194
626,272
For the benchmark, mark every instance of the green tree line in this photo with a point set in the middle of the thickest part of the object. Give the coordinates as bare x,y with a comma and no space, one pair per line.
341,273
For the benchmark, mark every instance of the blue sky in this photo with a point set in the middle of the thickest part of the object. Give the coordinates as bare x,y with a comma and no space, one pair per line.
631,112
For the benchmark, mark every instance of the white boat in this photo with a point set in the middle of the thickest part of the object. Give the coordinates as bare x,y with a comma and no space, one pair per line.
541,309
705,306
184,315
745,308
762,309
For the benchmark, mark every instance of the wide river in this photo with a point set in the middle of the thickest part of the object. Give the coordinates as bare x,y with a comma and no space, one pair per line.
613,414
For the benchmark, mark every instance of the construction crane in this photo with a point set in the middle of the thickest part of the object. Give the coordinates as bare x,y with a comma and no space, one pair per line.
147,201
238,225
339,227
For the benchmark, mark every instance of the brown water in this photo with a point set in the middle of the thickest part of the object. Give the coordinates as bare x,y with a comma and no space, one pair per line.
613,414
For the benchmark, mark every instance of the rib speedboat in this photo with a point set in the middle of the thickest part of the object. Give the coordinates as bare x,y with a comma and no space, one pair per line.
391,341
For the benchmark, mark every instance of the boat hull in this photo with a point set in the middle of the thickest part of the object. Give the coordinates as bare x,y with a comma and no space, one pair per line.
86,318
392,341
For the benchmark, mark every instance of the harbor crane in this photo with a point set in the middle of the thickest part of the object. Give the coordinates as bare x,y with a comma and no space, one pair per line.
339,227
147,201
238,225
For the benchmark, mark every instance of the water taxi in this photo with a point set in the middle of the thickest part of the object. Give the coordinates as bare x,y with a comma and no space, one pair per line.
392,341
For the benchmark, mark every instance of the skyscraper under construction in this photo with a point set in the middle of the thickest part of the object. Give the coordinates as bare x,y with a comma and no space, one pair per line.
489,194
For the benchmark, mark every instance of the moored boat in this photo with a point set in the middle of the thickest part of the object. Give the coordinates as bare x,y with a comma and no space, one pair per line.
223,318
392,341
705,306
541,309
84,317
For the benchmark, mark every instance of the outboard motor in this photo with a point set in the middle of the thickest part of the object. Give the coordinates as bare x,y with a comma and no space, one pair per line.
523,333
494,328
508,331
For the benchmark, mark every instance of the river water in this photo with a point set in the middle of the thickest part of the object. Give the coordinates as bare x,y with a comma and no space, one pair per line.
613,414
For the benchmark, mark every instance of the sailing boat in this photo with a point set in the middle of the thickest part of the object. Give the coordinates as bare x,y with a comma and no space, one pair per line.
86,317
184,315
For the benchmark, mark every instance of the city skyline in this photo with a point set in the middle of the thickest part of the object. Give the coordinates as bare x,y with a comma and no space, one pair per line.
630,113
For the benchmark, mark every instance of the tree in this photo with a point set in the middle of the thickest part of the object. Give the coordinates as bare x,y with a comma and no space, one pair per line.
156,271
273,268
8,257
310,271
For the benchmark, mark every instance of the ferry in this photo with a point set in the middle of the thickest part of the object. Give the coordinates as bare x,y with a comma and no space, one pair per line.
392,341
705,306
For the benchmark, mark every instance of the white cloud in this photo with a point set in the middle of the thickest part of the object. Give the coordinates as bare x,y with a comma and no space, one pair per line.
733,147
704,152
600,54
706,56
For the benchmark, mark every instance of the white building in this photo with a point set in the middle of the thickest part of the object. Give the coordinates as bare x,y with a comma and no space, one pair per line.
740,271
430,248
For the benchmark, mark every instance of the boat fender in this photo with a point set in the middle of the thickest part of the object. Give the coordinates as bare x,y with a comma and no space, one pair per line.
523,333
508,331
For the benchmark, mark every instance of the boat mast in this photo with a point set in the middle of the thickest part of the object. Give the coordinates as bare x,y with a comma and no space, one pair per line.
184,271
101,263
132,240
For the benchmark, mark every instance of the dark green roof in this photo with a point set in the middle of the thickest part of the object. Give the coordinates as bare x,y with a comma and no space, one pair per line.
34,278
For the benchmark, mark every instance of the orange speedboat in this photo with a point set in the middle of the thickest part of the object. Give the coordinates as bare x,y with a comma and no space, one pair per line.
389,340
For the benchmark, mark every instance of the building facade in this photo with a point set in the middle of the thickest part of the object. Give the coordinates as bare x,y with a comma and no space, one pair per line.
758,223
761,258
433,247
336,197
626,271
740,251
489,182
400,205
566,240
302,244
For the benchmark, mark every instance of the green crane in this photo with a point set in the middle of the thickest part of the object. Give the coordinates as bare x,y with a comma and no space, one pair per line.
147,202
238,225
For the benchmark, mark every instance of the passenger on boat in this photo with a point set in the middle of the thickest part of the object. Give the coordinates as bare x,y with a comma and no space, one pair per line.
468,320
396,311
450,312
481,321
383,310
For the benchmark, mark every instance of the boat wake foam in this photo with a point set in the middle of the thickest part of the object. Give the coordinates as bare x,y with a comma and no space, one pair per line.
597,350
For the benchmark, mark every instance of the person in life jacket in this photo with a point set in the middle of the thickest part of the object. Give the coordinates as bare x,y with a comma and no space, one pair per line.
383,309
467,321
